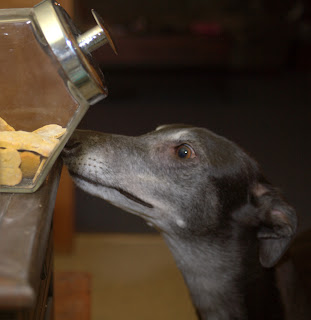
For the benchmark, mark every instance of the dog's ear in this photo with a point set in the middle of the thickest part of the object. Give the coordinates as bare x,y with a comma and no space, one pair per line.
277,224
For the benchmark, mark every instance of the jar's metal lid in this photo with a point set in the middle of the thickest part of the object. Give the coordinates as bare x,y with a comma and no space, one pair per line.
72,49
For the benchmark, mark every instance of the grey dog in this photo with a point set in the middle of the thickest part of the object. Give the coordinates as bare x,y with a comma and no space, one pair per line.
225,224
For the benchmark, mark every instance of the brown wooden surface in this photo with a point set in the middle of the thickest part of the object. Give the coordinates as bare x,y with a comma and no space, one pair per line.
64,214
72,296
25,224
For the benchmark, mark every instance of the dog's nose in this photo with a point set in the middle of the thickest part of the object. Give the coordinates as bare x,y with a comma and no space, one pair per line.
72,146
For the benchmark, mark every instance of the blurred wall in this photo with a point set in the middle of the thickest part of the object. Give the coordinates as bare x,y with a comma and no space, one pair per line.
257,94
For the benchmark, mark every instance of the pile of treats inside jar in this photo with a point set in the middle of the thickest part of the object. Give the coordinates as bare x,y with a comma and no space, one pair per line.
23,154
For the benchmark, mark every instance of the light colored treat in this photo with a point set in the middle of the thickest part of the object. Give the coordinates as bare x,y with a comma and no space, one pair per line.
22,140
43,161
51,131
4,126
30,163
21,151
10,173
10,158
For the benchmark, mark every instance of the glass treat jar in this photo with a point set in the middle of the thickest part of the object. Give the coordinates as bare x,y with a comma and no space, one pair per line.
48,80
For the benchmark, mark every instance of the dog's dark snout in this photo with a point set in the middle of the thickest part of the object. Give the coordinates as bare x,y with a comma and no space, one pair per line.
72,146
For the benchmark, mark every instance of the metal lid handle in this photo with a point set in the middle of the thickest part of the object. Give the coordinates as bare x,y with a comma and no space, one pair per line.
95,37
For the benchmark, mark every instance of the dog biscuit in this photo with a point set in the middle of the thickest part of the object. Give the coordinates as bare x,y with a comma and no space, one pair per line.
10,173
51,131
30,163
22,140
23,154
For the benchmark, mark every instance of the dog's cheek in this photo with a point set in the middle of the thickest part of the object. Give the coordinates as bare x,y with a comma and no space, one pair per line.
196,217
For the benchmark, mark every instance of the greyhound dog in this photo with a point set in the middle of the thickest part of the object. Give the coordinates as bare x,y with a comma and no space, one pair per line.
225,224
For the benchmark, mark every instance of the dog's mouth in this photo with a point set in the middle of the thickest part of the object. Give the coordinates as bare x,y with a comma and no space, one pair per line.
120,190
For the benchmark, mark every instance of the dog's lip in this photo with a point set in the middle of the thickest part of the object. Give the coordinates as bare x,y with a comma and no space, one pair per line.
133,198
120,190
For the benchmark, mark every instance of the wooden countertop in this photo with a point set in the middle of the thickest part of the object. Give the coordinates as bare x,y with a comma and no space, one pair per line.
25,224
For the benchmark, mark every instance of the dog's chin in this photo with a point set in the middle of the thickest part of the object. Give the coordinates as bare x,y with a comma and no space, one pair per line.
115,195
128,202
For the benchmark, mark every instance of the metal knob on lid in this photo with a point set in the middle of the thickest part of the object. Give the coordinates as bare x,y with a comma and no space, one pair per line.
95,37
72,49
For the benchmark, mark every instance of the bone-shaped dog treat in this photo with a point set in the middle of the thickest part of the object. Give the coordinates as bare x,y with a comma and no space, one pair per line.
23,140
23,154
30,163
51,131
10,173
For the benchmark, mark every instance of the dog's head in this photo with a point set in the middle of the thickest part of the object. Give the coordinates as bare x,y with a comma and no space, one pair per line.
184,180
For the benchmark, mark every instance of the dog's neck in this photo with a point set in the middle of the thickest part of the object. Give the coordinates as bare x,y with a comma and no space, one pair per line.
225,286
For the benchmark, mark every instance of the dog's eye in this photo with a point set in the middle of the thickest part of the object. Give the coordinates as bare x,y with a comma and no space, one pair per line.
184,151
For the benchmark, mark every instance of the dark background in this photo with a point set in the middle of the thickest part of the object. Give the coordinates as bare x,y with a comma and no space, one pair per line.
239,68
